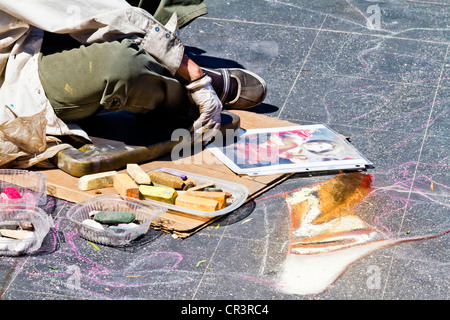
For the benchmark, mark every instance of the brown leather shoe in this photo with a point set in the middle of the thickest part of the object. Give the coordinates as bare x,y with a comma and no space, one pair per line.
250,91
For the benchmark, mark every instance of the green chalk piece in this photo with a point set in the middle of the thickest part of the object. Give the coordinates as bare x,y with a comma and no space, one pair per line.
114,217
163,194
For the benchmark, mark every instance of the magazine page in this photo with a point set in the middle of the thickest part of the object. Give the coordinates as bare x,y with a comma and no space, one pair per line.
288,150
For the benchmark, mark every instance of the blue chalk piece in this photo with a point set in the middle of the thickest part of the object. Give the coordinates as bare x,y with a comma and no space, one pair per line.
117,229
173,172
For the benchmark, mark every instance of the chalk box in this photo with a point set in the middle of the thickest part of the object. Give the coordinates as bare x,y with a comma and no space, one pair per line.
31,185
144,212
42,222
238,191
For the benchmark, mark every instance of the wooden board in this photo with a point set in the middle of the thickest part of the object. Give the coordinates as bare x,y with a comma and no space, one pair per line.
64,186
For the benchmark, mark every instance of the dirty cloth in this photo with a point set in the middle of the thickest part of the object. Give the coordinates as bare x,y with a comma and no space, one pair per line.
24,107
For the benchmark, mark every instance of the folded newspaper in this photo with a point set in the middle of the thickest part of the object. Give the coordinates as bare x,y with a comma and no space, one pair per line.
292,149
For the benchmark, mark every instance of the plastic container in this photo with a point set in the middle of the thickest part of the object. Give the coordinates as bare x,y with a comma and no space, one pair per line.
239,194
41,221
144,212
31,185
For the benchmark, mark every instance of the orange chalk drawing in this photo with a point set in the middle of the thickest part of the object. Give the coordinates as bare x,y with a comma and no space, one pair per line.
322,216
326,235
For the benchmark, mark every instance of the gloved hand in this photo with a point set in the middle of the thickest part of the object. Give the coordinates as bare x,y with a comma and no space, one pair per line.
210,107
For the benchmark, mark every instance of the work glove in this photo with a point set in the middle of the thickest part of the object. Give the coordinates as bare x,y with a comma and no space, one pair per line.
210,107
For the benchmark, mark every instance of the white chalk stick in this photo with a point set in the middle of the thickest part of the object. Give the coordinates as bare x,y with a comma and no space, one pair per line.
96,180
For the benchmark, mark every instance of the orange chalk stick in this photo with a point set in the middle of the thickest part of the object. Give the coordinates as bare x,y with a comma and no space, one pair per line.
220,197
125,186
197,203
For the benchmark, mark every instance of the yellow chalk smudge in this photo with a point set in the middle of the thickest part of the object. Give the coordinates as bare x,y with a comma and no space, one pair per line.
68,89
200,262
94,246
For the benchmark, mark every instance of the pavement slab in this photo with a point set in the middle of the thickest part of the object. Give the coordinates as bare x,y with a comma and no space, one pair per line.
377,75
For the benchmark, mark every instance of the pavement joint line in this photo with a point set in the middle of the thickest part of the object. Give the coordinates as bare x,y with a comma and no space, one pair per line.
327,30
386,82
415,170
429,2
209,262
426,129
15,271
296,120
300,70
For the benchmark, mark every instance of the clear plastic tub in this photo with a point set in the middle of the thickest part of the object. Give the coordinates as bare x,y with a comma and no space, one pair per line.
41,221
144,212
238,191
31,185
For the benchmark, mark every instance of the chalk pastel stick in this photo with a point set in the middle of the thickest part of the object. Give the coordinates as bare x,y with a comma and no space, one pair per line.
125,185
188,184
203,186
213,190
16,234
96,180
166,179
163,194
11,225
92,224
12,193
173,172
220,197
227,194
114,217
26,225
138,174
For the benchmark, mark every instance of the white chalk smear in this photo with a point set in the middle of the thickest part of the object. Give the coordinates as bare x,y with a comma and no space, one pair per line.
314,273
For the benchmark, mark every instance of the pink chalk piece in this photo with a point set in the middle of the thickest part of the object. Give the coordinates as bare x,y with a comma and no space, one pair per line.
28,196
93,213
12,193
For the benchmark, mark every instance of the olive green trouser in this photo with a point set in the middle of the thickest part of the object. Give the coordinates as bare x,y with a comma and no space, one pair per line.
79,81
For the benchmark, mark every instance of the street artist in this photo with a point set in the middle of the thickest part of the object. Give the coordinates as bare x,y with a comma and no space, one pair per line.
63,61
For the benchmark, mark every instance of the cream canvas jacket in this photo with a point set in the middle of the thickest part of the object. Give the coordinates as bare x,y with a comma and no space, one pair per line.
28,124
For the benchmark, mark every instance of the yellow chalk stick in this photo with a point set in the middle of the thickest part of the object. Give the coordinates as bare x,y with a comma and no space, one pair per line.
163,194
